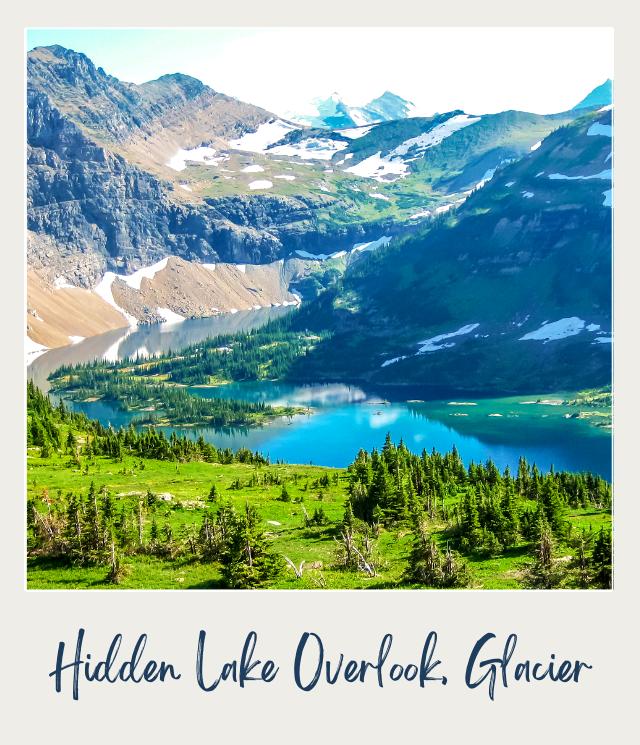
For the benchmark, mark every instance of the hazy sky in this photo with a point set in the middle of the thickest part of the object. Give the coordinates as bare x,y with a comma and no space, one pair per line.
479,70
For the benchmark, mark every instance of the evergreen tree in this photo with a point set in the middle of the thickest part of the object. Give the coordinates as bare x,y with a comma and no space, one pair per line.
601,559
544,572
247,560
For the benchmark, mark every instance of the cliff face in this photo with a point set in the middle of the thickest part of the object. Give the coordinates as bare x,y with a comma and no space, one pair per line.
97,200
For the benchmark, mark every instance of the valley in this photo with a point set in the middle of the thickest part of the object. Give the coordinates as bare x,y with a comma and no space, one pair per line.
349,348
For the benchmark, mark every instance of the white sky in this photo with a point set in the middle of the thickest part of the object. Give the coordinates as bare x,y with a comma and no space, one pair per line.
479,70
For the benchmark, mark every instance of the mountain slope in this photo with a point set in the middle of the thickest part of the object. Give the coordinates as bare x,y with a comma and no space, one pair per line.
101,196
121,177
510,293
600,96
59,314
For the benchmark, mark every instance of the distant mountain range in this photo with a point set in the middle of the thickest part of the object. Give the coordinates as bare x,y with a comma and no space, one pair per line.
332,112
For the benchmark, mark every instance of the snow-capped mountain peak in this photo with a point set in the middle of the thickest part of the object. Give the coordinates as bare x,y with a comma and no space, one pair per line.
333,112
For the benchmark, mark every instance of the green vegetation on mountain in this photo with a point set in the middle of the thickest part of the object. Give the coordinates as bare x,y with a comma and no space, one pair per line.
532,247
160,403
266,353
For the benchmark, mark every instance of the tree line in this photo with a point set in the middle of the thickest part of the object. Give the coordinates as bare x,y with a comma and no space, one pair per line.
479,511
266,353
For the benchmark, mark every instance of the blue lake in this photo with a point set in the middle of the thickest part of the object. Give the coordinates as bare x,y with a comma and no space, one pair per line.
344,418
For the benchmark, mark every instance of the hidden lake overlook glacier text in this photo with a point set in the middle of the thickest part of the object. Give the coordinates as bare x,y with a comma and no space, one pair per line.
492,663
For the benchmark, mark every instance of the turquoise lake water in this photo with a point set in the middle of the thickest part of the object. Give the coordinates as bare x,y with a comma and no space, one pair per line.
344,418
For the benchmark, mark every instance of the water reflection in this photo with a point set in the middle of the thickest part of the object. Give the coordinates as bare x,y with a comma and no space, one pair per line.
346,418
148,340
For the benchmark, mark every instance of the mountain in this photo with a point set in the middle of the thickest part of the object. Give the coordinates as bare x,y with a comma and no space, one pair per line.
600,96
121,177
108,188
510,292
390,106
169,291
333,113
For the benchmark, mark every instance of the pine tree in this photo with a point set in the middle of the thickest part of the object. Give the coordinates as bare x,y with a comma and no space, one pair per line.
553,506
347,520
471,533
247,560
580,561
544,573
511,526
425,562
601,559
454,572
74,531
284,494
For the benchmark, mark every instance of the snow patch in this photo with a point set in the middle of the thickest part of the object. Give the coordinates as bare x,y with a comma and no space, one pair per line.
33,350
149,272
76,339
169,316
487,177
509,184
527,194
393,361
103,289
535,146
377,167
556,330
185,187
371,245
602,340
320,257
312,148
60,283
307,255
252,169
433,344
354,133
434,136
608,197
605,175
267,134
376,195
443,208
286,177
205,155
600,129
260,184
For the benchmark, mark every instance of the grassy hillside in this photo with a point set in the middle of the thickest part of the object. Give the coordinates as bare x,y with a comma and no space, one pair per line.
110,509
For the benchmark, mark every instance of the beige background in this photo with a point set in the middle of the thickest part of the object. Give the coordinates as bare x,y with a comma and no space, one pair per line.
595,626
